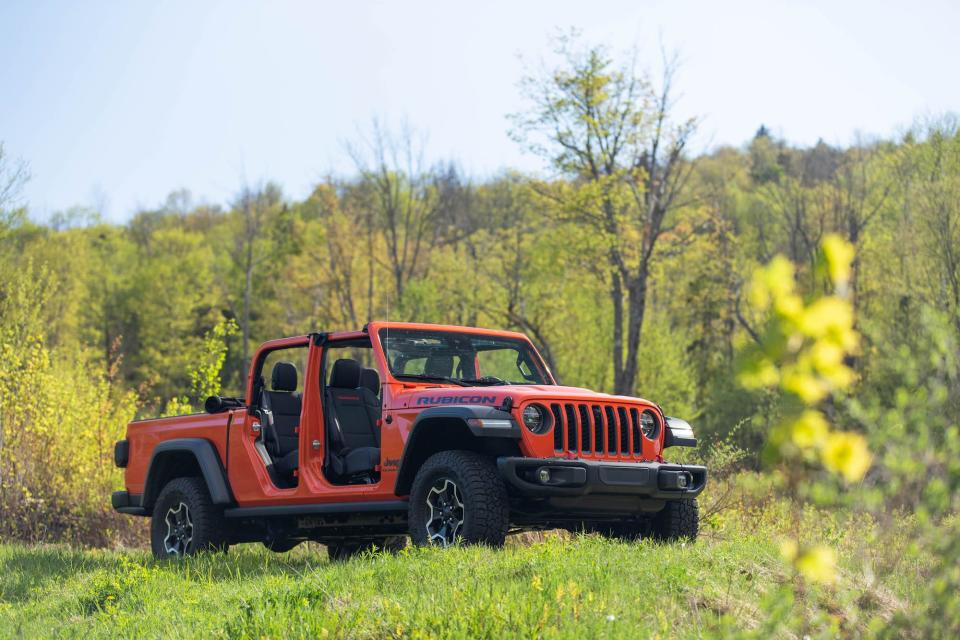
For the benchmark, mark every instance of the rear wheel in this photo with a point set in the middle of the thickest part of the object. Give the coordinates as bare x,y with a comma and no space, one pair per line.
458,496
185,521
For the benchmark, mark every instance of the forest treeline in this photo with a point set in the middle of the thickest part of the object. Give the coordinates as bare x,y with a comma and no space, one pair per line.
626,261
134,301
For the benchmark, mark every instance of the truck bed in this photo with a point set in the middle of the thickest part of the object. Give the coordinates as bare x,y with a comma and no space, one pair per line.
144,435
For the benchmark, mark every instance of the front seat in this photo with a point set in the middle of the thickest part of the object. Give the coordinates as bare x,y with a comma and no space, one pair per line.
440,366
354,448
285,403
370,394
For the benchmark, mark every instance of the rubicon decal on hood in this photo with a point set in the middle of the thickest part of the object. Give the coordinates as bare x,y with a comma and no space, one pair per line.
477,399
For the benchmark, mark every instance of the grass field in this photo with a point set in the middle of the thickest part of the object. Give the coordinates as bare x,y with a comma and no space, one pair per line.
557,586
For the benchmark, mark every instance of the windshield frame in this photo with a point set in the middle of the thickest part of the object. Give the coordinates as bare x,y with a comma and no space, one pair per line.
523,344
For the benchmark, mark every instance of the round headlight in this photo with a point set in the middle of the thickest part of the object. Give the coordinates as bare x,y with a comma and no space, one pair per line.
536,419
649,424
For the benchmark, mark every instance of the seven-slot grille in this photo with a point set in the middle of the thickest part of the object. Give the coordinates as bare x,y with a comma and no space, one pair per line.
597,430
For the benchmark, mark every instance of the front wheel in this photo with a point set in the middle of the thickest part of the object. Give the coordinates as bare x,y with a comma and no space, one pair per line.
185,521
458,496
679,520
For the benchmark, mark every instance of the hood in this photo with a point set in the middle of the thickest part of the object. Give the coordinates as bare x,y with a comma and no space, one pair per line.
435,395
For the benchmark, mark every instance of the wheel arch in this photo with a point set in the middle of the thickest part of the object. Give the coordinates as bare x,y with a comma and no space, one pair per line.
447,428
186,457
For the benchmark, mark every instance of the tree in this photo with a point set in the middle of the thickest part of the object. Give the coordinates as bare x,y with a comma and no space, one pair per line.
327,277
861,189
612,135
13,175
414,207
402,200
253,211
525,269
765,155
801,214
936,191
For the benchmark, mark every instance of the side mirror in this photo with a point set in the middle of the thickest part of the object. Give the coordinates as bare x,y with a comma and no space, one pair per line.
679,433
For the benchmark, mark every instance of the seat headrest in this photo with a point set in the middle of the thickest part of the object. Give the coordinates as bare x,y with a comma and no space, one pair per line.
440,365
345,374
370,379
284,377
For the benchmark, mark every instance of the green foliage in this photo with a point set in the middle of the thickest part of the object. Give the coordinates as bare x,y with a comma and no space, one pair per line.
59,418
800,352
205,378
665,374
803,351
610,133
910,406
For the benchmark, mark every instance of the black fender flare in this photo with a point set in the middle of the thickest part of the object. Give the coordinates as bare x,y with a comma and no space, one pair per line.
207,460
466,420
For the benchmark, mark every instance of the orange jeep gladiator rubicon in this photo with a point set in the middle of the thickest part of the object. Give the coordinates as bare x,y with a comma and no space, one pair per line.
358,439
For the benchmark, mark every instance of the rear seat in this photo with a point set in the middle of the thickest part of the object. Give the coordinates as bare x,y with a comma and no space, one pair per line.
353,433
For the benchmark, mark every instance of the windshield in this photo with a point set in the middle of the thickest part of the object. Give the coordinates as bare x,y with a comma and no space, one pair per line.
467,359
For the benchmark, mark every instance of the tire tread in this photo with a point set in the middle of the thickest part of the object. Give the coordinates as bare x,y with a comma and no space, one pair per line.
488,515
208,522
679,520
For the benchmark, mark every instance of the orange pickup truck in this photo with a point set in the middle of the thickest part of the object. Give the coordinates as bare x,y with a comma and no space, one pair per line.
444,434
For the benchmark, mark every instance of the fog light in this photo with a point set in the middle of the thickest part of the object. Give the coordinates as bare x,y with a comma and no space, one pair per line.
683,480
544,475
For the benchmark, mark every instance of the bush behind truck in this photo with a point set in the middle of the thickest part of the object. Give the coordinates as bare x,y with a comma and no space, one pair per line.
359,439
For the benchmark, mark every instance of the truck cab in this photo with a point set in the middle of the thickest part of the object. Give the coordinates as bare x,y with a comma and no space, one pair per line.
446,434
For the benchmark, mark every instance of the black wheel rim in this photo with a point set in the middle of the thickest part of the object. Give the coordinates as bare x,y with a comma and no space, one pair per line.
179,530
445,512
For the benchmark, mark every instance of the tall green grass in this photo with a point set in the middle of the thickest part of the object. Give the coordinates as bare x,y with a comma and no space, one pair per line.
557,587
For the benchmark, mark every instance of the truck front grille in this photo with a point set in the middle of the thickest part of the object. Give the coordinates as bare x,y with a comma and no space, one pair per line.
597,430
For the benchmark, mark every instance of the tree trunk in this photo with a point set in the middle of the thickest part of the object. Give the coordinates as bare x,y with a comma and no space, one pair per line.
370,266
616,296
398,282
636,308
248,285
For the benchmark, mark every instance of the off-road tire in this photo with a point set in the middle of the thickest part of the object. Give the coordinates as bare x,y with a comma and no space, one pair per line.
679,520
342,551
486,507
208,529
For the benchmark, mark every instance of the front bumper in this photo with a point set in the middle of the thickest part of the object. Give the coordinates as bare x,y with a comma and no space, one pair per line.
576,478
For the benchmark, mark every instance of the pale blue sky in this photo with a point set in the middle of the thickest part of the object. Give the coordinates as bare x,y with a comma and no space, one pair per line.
115,104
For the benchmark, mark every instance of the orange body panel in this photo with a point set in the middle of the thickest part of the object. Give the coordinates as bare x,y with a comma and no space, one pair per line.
145,435
233,436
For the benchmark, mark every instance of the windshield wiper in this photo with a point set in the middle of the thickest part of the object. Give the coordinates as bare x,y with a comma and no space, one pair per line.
488,381
484,381
420,376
